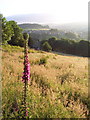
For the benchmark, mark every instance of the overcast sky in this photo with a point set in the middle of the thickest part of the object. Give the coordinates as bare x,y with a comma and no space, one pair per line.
63,10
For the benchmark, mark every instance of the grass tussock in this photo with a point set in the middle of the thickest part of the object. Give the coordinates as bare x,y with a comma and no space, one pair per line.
58,86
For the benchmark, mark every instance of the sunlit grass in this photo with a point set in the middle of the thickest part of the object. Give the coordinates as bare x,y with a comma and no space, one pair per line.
58,86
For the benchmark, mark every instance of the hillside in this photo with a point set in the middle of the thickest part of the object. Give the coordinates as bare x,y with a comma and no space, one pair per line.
80,28
33,26
58,87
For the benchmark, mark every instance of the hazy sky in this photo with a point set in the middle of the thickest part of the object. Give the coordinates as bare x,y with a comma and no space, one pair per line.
63,10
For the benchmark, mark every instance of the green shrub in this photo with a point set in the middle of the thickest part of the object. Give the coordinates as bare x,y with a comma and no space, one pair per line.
9,48
43,60
46,46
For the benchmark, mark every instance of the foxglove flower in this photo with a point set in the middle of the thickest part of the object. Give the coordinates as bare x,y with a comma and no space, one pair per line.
26,73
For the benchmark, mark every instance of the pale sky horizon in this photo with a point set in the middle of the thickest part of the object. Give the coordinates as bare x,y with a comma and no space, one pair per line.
63,10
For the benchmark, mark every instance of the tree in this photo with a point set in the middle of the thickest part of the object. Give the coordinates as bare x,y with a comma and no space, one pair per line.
17,38
11,32
52,42
7,31
30,41
46,46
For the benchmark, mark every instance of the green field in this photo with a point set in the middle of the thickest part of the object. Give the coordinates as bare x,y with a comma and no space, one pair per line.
58,87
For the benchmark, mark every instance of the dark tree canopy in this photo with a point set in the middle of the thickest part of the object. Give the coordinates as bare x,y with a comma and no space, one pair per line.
46,46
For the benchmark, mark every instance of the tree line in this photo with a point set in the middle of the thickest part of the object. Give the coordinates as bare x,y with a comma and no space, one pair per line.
80,48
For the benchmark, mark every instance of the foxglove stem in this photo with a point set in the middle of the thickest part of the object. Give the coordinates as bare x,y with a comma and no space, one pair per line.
26,76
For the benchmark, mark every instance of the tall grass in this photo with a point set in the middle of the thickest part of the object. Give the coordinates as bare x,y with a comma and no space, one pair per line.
58,86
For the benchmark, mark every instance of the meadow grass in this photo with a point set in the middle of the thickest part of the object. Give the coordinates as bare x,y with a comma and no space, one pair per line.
58,87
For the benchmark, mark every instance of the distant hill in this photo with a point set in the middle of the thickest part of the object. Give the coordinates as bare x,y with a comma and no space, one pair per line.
45,19
49,20
76,27
33,26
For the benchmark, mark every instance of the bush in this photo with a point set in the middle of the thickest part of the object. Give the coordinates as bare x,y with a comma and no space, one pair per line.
46,46
43,61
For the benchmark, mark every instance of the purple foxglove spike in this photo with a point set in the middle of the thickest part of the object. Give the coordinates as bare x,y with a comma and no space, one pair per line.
26,73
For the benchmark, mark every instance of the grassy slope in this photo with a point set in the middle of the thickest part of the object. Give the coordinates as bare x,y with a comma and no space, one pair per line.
58,87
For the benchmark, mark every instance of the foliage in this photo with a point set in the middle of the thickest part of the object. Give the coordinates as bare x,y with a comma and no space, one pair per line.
11,33
43,60
46,46
9,48
17,38
30,42
25,36
70,46
7,30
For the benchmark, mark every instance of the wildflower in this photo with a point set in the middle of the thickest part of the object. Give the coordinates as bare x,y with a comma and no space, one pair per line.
26,73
